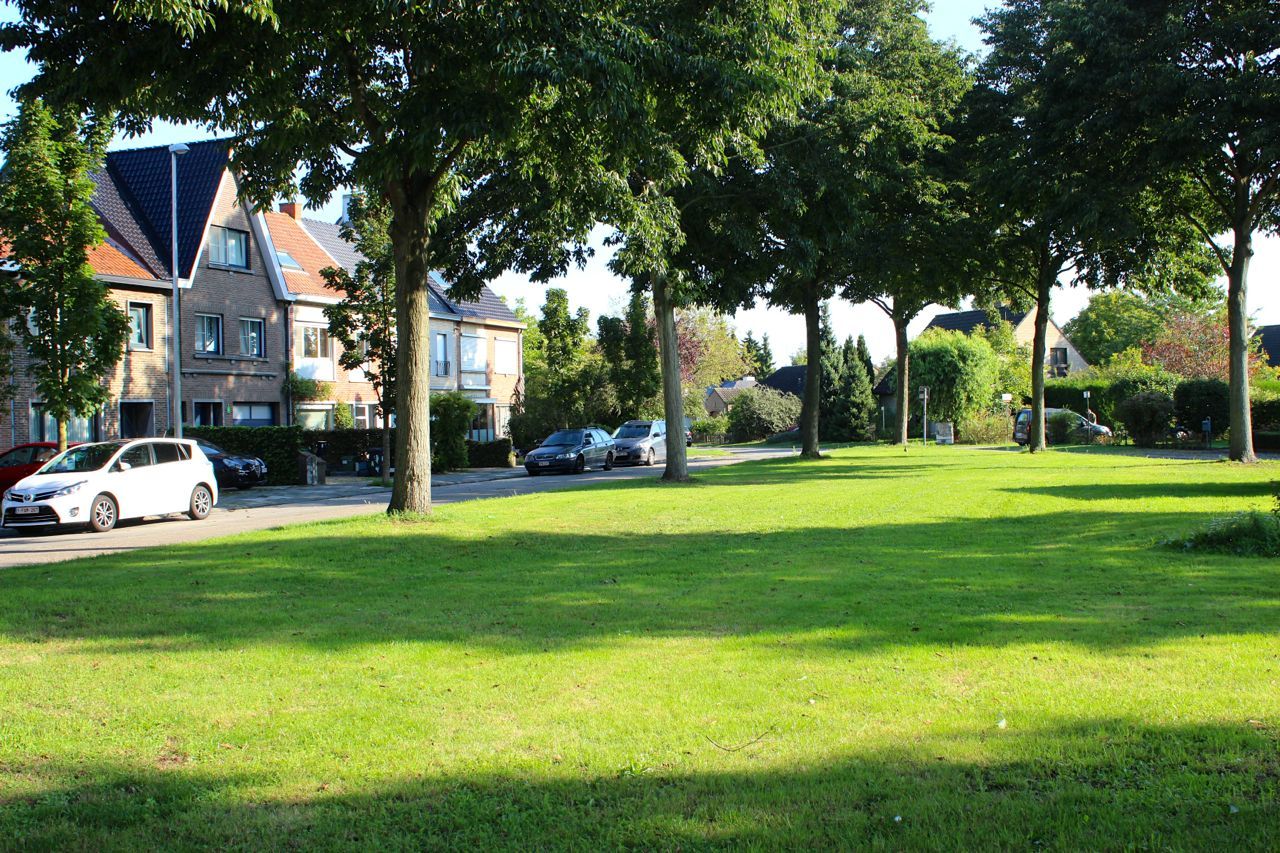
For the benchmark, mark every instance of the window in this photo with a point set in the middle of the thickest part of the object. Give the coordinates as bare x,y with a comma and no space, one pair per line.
207,413
474,357
442,354
287,261
228,247
1058,361
481,421
17,456
139,325
42,427
138,456
315,342
315,417
506,358
253,414
251,334
165,452
362,415
137,419
209,334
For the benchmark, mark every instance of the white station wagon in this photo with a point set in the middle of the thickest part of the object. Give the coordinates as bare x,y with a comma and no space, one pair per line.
99,484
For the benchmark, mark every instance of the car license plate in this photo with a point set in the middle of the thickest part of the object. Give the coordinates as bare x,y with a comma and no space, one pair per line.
27,510
543,464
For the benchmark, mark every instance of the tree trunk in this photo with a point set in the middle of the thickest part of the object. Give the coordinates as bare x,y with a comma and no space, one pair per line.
62,434
386,450
810,448
1238,323
903,391
1044,288
409,240
664,311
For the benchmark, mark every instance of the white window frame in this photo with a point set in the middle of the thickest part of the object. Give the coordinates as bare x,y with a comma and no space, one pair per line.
481,366
200,337
262,337
441,347
324,344
362,415
149,312
218,244
220,415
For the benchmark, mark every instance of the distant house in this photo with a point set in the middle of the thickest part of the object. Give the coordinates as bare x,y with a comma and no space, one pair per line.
788,380
720,398
1062,357
1270,338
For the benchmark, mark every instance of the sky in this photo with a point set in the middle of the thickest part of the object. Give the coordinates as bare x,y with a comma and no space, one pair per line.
601,292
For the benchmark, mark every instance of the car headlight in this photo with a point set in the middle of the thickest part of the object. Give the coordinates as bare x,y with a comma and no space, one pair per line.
8,495
69,490
565,456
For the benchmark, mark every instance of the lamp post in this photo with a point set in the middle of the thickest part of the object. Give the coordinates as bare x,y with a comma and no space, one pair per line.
924,398
175,415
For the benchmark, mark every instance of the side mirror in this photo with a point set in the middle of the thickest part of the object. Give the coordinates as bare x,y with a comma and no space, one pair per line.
123,466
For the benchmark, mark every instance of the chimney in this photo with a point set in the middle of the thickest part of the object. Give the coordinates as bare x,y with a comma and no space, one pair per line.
291,208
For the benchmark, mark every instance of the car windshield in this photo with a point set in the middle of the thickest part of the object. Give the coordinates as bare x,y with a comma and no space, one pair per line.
564,436
210,449
86,457
17,456
632,431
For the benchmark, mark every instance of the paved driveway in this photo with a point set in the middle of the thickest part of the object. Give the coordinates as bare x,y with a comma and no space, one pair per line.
259,509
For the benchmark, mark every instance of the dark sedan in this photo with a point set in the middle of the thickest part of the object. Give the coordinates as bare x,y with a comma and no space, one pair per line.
571,450
232,469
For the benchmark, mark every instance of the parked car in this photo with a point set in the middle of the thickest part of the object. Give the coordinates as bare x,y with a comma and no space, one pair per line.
1082,429
571,450
640,443
102,483
234,469
24,460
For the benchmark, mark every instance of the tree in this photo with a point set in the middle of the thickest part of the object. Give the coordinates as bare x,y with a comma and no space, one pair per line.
864,356
364,322
1049,213
761,411
631,357
758,364
1013,360
1112,323
497,133
959,370
853,411
1180,97
67,322
766,357
831,377
1198,346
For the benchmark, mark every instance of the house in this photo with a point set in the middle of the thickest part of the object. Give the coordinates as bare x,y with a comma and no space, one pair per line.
1269,336
1062,357
720,398
252,311
788,380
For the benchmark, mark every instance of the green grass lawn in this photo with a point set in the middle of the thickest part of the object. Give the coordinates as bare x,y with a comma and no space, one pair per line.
950,648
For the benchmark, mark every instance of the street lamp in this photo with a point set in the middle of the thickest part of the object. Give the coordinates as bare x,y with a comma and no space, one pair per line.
176,150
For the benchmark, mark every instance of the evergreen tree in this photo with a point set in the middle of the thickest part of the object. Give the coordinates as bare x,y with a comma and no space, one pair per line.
67,321
631,358
754,352
853,416
831,366
864,356
766,357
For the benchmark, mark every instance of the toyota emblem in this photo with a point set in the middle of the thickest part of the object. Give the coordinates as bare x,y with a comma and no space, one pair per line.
26,499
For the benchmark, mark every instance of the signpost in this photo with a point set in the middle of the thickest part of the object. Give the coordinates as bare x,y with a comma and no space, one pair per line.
924,398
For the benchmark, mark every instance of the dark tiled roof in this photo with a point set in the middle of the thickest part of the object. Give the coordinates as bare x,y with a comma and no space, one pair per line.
436,299
1270,336
967,321
329,235
140,192
789,380
888,384
123,223
488,307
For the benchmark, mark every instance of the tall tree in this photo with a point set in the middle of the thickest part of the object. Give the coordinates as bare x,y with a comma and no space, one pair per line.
364,321
68,323
853,411
831,378
864,356
766,357
754,352
1182,98
1049,214
497,133
1112,323
631,355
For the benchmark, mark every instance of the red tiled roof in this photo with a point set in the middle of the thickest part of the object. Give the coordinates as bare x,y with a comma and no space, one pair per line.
288,236
106,259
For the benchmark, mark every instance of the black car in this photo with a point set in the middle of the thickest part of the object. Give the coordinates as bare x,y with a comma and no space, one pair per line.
571,450
233,470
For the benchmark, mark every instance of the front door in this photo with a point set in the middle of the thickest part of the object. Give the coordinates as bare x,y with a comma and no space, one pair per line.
136,420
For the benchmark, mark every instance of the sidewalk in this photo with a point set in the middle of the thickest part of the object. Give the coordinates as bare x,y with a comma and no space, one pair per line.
349,488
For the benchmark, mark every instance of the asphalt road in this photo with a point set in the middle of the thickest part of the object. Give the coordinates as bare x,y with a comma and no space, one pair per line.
242,512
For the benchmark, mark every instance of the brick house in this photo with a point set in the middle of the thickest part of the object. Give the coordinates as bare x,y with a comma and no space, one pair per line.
252,309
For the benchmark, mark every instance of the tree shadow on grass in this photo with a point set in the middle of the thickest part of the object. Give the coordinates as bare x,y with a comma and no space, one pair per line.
1087,579
1095,784
1145,491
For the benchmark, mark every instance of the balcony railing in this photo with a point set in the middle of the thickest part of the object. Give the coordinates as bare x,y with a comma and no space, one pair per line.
443,368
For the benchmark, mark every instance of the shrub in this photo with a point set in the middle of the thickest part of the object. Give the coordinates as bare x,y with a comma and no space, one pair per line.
985,428
1058,427
490,454
1197,399
1249,534
959,370
1266,413
451,416
1147,417
1109,385
278,446
761,411
342,417
705,428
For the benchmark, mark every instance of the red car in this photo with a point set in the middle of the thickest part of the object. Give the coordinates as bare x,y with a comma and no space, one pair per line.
24,460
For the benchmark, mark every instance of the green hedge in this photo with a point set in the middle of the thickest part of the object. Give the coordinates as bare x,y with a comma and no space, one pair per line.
1268,440
490,454
1266,414
278,446
1105,395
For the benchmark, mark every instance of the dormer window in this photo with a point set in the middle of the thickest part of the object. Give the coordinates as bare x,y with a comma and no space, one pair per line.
228,247
287,262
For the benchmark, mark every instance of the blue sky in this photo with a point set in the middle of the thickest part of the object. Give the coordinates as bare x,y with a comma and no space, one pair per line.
601,292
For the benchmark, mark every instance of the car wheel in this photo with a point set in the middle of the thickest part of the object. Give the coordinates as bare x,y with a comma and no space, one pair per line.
531,472
650,458
103,514
201,503
580,465
608,462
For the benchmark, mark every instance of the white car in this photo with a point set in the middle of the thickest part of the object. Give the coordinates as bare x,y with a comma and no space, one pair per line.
99,484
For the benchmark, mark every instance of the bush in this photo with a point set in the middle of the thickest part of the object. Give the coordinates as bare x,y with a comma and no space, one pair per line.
451,417
342,417
1058,427
761,411
1147,417
1266,440
278,446
490,454
706,428
985,428
1197,399
960,371
1249,534
1266,413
